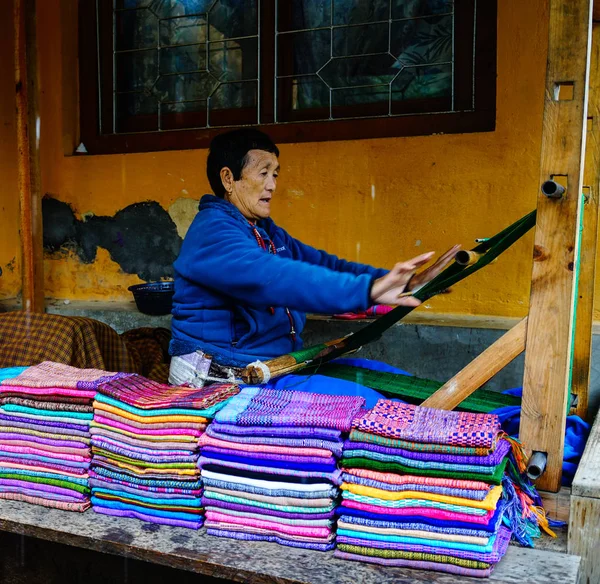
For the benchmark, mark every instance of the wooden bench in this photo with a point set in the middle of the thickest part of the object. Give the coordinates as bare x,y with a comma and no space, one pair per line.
255,562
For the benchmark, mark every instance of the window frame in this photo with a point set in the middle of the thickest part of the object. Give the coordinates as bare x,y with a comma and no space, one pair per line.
481,118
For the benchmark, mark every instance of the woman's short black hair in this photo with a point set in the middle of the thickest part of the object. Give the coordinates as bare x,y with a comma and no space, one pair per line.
231,150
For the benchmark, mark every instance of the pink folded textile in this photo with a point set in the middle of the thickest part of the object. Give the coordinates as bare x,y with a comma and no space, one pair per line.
46,390
156,444
78,507
191,432
157,426
396,479
50,374
270,525
5,448
422,511
257,531
206,440
9,441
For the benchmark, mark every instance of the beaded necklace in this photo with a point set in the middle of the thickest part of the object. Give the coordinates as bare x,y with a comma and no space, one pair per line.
271,249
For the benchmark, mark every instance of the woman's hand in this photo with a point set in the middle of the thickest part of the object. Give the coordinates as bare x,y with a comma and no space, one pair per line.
387,289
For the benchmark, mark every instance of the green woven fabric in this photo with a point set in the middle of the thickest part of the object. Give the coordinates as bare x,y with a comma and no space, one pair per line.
415,556
359,462
358,436
45,481
308,353
411,388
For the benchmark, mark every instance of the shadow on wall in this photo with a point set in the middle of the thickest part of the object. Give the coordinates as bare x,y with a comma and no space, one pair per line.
142,238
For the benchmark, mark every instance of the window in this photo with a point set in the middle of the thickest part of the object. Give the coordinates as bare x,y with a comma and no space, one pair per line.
163,74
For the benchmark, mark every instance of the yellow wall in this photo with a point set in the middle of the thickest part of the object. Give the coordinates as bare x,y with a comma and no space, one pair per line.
10,260
376,201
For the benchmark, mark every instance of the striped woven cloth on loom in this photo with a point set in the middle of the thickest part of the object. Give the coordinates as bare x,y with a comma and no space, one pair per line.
427,425
255,406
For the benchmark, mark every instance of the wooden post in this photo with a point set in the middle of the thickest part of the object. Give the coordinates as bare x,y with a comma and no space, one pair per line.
28,143
589,238
480,370
548,359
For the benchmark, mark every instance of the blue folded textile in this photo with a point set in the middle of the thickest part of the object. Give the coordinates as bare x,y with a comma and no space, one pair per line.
10,372
193,503
152,512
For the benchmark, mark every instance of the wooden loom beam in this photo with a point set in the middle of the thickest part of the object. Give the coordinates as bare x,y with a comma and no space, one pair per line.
28,154
548,359
480,370
589,238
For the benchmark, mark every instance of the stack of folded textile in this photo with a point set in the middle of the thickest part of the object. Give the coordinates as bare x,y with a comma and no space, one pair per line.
269,466
45,415
422,488
145,449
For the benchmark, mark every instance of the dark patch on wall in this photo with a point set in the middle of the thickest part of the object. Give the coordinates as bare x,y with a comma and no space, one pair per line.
142,238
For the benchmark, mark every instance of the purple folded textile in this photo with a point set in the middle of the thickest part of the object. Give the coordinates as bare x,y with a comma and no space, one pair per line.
275,432
498,549
432,566
58,432
93,385
148,450
149,518
271,459
46,424
259,406
209,503
334,445
493,459
6,438
321,547
289,462
43,487
45,494
222,466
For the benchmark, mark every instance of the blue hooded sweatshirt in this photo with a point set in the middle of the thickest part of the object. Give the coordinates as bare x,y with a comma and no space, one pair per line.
231,295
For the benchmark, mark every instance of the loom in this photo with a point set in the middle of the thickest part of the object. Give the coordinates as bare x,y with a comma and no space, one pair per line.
471,261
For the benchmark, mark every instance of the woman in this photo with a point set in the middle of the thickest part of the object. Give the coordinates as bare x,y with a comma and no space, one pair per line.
243,285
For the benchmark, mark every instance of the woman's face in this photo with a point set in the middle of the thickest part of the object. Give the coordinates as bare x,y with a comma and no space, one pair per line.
253,192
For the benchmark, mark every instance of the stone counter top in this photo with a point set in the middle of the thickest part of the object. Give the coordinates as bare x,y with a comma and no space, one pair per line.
255,562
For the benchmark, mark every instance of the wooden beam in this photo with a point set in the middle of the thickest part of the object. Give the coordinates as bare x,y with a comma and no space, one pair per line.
28,144
480,370
548,359
589,238
596,11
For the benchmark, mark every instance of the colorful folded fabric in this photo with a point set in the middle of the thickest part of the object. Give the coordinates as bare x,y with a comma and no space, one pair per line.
243,533
255,406
137,391
430,426
50,374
